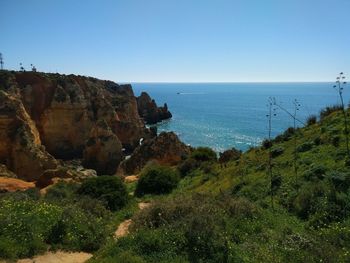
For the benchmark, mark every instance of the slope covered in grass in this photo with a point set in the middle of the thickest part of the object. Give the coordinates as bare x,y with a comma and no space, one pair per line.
220,210
225,213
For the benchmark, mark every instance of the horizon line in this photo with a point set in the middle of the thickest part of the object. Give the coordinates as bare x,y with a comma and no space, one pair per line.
220,82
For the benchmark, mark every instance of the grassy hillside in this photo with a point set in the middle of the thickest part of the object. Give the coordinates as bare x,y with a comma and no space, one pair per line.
223,212
217,212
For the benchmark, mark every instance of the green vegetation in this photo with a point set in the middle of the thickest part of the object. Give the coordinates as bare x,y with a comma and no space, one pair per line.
211,213
224,214
62,219
109,189
157,180
203,154
311,120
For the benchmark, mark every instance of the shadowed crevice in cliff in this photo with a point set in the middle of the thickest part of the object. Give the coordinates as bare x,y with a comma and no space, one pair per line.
103,150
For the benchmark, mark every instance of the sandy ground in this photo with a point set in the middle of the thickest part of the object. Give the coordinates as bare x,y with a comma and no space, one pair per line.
123,228
144,205
131,178
59,257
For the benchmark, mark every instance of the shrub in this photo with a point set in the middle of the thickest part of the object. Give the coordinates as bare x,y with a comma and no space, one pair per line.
196,224
276,183
286,135
157,180
205,242
317,140
26,224
311,120
266,144
335,141
8,248
276,152
329,110
92,206
229,155
125,257
109,189
204,154
187,166
238,207
340,180
207,168
175,210
156,245
321,204
29,195
315,172
310,194
61,191
305,147
78,230
27,227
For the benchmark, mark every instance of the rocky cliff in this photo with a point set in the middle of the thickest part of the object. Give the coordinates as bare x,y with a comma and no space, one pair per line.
44,117
20,144
164,149
149,110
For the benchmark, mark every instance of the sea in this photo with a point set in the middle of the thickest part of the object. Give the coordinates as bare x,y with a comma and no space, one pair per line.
226,115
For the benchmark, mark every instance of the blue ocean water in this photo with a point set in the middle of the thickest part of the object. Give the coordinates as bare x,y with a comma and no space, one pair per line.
225,115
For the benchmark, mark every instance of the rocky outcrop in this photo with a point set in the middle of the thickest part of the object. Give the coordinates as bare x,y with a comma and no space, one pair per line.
13,185
166,149
64,173
20,144
149,110
103,150
66,108
229,155
78,104
44,117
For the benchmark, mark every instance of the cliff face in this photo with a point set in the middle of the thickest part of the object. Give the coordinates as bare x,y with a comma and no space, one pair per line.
65,108
103,150
149,110
165,149
20,144
47,116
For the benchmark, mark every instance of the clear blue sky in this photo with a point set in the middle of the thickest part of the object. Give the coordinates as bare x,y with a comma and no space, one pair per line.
179,40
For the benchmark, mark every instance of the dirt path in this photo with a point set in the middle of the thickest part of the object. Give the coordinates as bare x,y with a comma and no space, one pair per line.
59,257
123,228
79,257
143,205
131,178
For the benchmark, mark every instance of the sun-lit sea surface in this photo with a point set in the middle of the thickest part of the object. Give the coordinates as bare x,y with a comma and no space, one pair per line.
225,115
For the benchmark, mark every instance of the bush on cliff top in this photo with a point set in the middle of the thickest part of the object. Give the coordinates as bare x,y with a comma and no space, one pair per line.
109,189
157,180
204,154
